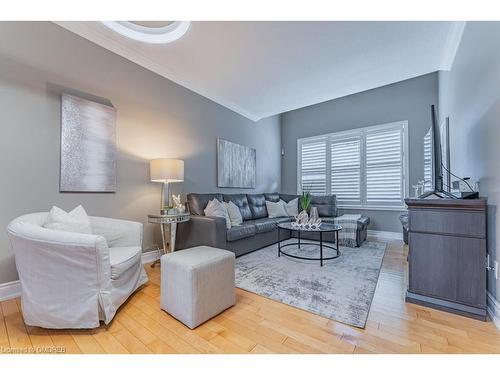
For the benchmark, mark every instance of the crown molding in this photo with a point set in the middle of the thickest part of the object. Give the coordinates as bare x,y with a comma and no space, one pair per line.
452,43
84,30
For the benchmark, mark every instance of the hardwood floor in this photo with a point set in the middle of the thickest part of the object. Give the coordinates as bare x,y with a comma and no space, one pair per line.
260,325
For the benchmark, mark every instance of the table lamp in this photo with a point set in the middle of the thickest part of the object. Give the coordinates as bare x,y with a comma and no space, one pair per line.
166,171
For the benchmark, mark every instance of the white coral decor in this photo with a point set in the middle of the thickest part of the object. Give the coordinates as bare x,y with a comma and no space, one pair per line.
303,222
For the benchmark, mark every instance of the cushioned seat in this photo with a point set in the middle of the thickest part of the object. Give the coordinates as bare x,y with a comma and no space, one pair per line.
122,259
197,284
264,225
283,219
241,231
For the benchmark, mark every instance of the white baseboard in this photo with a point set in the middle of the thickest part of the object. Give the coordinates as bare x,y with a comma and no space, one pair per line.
12,289
150,256
383,235
493,307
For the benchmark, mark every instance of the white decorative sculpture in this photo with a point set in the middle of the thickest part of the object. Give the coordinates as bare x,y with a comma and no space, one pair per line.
177,203
303,221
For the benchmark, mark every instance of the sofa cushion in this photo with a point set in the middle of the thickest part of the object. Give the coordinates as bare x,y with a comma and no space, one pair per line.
272,197
279,220
242,202
122,259
198,202
292,207
241,231
264,225
218,209
326,204
234,213
276,209
257,204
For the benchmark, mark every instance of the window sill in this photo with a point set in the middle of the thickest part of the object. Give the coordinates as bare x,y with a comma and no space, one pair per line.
374,208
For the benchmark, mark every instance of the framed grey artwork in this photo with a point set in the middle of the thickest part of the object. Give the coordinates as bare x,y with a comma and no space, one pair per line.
88,146
236,165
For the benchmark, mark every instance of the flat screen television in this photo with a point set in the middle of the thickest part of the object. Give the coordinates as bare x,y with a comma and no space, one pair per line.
437,190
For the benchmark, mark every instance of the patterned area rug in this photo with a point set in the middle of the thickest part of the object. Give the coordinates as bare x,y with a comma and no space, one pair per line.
342,289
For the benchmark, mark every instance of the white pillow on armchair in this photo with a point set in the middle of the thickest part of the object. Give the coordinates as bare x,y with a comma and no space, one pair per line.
76,220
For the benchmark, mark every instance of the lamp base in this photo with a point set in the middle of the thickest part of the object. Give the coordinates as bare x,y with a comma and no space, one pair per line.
165,196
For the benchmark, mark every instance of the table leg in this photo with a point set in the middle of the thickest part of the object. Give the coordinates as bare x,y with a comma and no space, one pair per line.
279,243
321,248
163,238
164,243
173,232
298,236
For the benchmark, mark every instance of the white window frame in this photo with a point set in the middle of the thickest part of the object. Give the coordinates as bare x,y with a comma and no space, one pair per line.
357,133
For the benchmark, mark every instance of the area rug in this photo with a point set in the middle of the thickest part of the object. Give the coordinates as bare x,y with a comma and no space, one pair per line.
341,290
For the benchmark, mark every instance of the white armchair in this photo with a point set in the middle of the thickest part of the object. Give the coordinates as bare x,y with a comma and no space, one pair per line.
73,280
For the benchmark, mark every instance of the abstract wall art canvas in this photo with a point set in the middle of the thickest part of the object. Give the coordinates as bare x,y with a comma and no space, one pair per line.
236,165
88,146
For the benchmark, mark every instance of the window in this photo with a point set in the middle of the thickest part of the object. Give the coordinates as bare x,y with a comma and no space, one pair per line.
363,167
313,156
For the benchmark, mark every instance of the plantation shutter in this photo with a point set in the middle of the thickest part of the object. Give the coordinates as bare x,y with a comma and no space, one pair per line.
346,170
313,166
384,167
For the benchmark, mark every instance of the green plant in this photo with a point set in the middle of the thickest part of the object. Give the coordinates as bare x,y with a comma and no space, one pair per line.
305,200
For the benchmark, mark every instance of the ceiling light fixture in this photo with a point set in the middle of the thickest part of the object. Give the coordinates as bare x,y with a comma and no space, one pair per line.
154,35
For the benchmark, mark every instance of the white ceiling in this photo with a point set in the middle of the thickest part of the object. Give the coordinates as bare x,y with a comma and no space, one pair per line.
259,69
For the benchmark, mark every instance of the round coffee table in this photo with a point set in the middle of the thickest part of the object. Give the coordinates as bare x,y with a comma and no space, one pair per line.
325,227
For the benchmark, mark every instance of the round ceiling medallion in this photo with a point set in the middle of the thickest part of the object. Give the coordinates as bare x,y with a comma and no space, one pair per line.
155,35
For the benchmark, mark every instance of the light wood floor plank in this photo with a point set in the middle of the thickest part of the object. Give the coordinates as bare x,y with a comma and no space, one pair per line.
62,338
108,342
86,341
16,329
4,337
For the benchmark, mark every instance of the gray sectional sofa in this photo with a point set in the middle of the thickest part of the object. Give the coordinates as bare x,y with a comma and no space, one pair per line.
257,229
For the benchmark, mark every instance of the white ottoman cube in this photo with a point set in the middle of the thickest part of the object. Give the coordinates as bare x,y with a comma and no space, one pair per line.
197,284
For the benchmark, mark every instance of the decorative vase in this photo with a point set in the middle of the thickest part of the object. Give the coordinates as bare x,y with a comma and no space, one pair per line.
314,214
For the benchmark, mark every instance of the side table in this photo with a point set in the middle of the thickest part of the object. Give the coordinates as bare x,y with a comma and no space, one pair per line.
172,221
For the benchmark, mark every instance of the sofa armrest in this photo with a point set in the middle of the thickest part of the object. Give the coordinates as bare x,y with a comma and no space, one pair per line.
202,230
363,222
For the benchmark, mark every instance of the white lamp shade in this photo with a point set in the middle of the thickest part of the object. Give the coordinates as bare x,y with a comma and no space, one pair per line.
166,170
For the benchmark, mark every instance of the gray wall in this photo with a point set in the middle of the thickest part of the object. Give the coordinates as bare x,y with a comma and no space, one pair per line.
407,100
470,96
156,118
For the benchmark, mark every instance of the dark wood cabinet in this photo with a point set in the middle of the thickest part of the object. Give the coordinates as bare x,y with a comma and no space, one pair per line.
447,255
